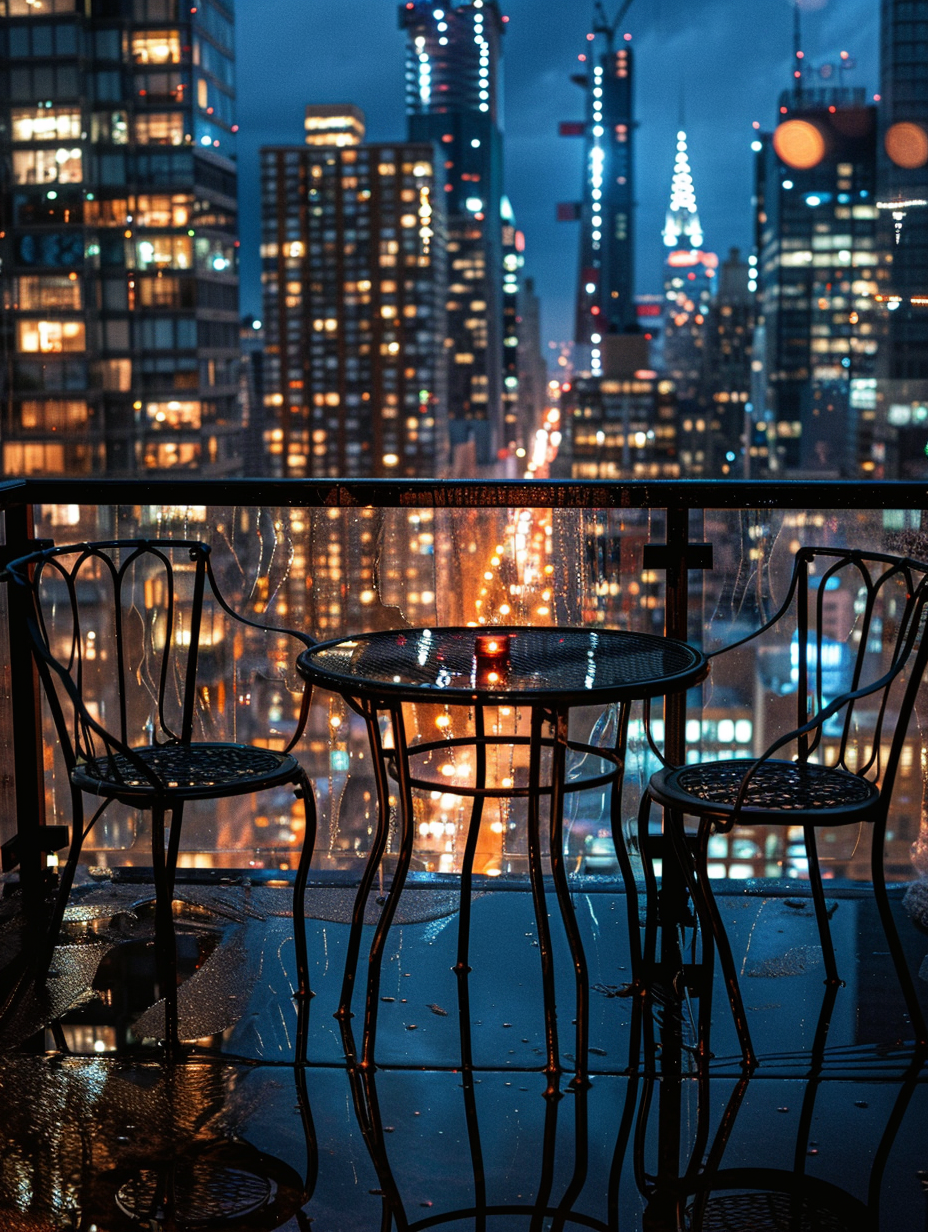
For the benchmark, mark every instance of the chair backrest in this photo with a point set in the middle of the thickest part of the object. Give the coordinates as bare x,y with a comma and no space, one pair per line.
861,618
132,642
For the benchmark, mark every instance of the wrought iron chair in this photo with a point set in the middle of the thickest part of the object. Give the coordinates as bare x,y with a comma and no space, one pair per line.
123,634
853,698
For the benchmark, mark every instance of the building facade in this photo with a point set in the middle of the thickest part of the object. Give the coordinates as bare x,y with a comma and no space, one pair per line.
118,238
606,275
453,101
353,272
821,266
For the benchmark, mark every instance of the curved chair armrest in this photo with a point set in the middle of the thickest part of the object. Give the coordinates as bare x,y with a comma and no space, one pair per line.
814,724
768,624
307,641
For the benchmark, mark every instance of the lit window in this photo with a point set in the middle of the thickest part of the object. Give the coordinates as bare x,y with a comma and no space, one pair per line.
46,124
160,128
39,8
34,293
174,414
156,47
164,251
50,337
52,415
50,166
162,211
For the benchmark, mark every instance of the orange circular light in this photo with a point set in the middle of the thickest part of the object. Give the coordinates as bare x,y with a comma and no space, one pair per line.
799,143
907,144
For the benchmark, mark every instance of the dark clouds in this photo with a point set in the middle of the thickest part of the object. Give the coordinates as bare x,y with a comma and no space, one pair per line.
727,60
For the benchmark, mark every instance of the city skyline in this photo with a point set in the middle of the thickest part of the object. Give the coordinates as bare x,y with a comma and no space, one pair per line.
719,93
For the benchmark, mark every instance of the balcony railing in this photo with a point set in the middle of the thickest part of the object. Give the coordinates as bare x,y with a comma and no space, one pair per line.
705,561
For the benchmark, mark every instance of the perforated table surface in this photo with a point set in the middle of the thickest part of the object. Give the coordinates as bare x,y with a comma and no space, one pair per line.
568,665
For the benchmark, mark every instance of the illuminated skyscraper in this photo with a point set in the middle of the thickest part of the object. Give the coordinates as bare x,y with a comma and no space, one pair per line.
689,279
353,267
820,268
118,237
452,100
901,398
606,278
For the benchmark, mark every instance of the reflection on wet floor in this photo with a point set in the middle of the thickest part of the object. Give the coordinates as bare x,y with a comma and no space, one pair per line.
99,1134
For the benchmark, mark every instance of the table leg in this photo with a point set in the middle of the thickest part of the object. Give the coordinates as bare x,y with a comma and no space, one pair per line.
407,835
374,860
462,967
536,874
562,890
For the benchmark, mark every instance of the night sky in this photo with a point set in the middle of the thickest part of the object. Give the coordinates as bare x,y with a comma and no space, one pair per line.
723,62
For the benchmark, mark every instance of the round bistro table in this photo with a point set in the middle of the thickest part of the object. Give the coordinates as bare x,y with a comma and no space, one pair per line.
545,671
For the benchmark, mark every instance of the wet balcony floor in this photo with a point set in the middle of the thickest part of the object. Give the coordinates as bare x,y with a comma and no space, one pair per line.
99,1134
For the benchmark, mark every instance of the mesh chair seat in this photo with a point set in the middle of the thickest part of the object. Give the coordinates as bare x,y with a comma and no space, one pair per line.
766,1212
188,771
780,791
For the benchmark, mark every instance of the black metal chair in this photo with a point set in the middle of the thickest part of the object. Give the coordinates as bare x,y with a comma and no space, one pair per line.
853,698
126,635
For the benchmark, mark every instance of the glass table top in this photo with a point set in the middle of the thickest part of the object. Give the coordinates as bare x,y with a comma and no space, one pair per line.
567,665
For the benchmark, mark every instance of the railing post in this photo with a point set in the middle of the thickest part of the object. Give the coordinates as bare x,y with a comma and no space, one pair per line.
27,725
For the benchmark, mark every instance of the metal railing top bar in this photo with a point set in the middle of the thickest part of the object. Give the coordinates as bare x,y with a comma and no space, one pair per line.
472,494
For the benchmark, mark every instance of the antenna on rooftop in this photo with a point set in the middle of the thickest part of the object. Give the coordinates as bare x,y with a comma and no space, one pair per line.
602,24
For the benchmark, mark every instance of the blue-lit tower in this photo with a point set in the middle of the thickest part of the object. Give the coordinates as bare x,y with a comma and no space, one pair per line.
606,279
452,98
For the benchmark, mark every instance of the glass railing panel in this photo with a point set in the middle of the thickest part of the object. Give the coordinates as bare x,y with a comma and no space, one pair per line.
332,572
8,821
749,698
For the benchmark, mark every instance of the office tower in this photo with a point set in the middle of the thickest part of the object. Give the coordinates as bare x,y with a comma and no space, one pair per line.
533,371
452,101
606,276
118,244
901,395
523,391
353,271
725,381
689,275
820,268
621,423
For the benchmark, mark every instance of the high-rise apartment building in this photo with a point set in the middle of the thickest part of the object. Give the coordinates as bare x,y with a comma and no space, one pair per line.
903,179
713,424
820,268
453,102
353,271
899,396
118,237
606,276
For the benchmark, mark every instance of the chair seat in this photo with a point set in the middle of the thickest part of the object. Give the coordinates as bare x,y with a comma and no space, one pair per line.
186,771
781,792
767,1212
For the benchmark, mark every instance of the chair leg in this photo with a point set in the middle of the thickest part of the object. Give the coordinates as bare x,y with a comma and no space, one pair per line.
892,938
177,821
821,911
697,880
165,942
650,886
304,790
66,880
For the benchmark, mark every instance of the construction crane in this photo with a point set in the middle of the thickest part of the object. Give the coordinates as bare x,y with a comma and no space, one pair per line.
602,24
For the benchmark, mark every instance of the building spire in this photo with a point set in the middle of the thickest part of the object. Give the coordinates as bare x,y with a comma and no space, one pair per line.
682,228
